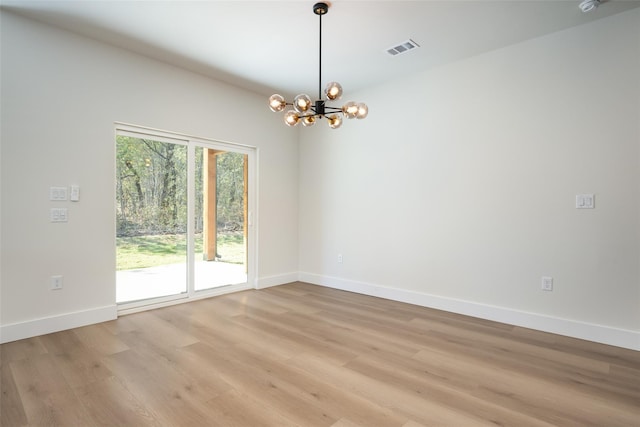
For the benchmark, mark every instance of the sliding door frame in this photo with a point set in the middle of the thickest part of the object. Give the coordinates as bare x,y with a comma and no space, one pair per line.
252,234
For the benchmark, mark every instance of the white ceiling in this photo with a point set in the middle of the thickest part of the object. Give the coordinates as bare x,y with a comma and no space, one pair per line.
272,46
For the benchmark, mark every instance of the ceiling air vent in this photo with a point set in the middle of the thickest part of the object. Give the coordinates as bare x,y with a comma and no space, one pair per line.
403,47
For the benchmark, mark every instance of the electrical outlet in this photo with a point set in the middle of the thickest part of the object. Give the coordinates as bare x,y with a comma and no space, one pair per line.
340,258
56,283
547,283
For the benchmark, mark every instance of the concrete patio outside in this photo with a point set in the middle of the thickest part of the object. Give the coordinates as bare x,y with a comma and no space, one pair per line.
171,279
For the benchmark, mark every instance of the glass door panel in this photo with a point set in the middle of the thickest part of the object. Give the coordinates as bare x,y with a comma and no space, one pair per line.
220,238
151,218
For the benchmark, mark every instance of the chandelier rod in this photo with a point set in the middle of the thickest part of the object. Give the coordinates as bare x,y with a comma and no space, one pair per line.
320,59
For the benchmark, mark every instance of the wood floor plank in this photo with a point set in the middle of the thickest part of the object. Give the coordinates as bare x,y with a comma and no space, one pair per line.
402,402
342,336
109,403
334,400
61,342
493,341
297,338
235,409
180,364
249,376
22,349
442,392
168,396
81,366
302,355
11,409
99,337
412,423
344,422
230,331
549,400
46,397
160,331
299,305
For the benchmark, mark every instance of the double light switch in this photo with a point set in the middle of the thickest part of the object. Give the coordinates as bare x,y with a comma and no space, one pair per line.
61,194
585,201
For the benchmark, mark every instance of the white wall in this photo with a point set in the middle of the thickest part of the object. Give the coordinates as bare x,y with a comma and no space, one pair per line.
61,95
458,191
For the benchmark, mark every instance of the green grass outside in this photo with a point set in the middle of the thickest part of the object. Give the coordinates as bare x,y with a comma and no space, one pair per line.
150,251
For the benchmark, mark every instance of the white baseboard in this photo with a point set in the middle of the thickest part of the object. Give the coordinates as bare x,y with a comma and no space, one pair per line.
571,328
280,279
47,325
576,329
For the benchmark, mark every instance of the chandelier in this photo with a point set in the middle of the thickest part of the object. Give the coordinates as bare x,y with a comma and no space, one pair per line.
307,112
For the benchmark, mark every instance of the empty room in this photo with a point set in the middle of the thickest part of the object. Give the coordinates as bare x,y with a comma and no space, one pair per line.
341,214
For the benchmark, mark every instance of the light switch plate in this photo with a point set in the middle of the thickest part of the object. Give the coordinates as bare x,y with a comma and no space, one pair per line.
585,201
58,193
58,215
74,196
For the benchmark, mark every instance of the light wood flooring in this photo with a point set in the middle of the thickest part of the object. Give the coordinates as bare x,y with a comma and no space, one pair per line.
303,355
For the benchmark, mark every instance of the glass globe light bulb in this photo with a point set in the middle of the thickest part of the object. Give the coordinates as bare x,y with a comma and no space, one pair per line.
291,118
335,121
277,103
363,110
333,91
308,120
302,103
350,109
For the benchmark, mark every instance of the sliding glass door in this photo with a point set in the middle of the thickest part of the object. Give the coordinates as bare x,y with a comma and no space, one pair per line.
220,258
151,217
182,217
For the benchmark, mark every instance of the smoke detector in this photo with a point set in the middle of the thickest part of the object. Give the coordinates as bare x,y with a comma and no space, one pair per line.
589,5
